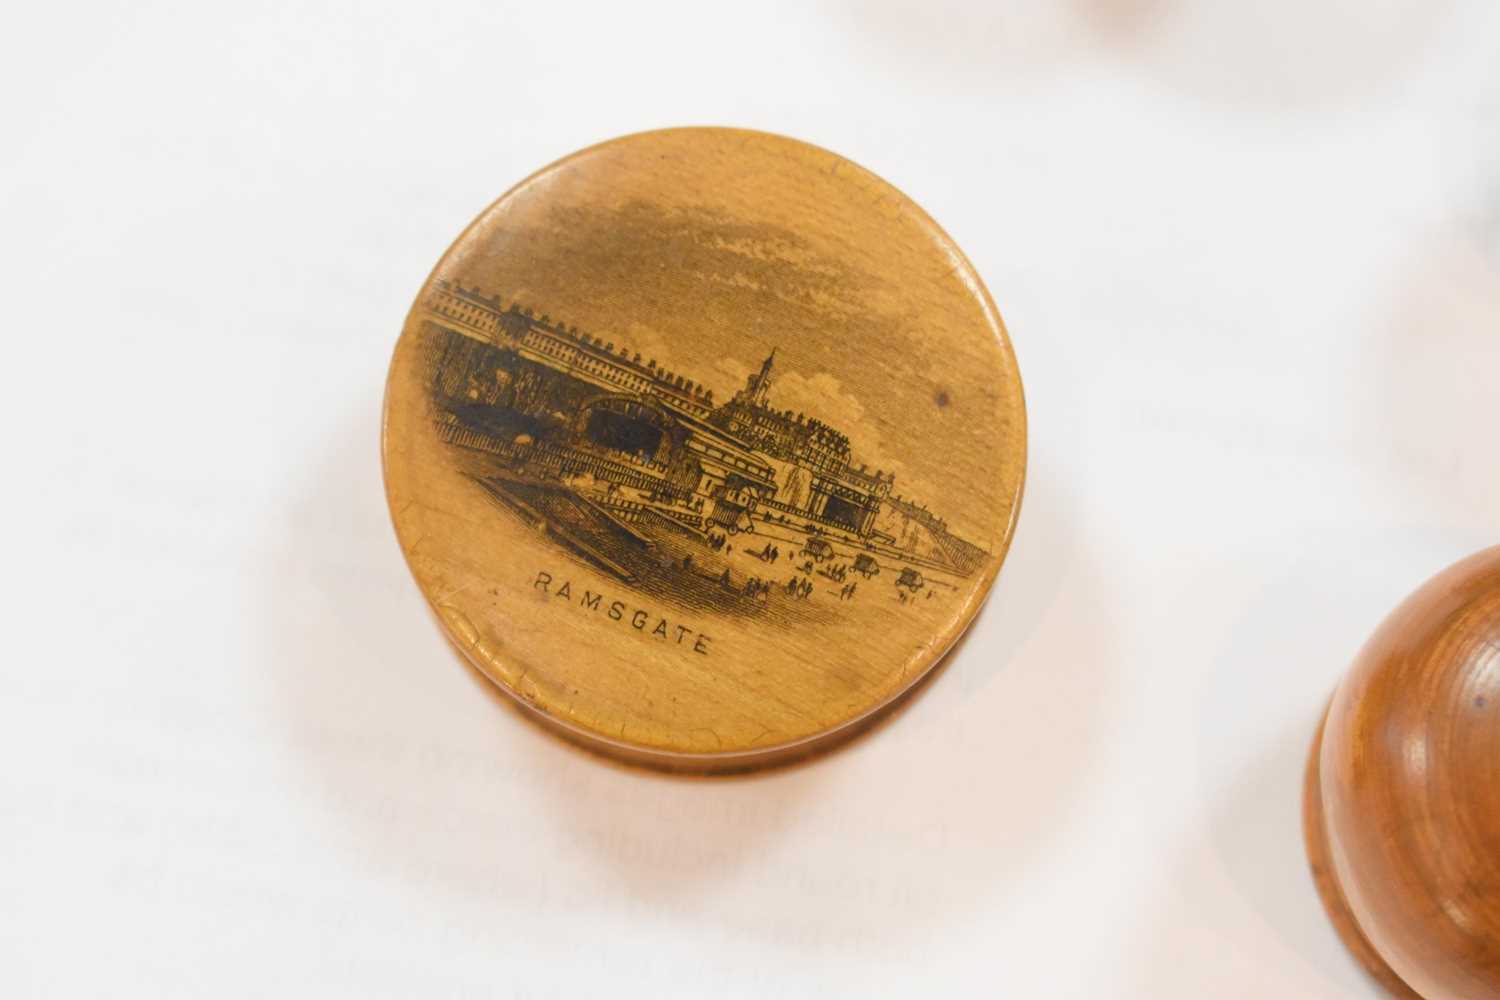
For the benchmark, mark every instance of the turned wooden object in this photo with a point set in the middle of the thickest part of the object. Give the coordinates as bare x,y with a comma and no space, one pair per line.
705,446
1402,806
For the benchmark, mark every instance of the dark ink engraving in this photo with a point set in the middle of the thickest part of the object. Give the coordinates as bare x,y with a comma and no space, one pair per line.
734,506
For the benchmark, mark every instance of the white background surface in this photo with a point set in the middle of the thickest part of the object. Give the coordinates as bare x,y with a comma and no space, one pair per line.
1249,254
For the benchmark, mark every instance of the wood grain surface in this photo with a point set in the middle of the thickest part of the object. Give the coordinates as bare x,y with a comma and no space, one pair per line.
1403,804
705,445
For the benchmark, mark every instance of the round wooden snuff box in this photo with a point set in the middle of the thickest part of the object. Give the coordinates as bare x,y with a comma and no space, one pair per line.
705,445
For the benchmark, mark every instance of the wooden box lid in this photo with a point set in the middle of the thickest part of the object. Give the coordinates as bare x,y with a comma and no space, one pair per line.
705,445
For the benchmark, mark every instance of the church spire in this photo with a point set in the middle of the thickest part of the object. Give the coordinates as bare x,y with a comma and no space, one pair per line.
760,383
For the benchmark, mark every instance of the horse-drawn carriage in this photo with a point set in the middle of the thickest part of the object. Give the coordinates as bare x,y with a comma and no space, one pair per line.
818,549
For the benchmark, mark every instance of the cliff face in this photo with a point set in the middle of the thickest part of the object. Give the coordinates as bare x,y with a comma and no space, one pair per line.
917,531
911,533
